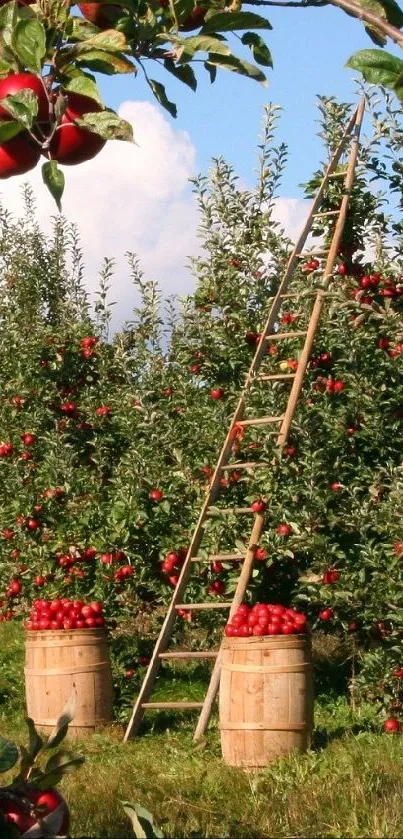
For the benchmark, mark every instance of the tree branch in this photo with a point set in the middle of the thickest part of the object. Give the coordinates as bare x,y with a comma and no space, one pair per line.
295,4
371,19
349,6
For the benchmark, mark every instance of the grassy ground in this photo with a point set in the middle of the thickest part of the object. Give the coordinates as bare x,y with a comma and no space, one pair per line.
349,784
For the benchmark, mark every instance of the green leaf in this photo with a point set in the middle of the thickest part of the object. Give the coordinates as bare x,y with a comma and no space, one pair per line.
182,72
386,9
103,62
35,741
9,129
376,36
158,90
107,125
142,822
65,760
85,86
380,68
60,764
8,754
238,65
186,49
212,71
232,21
29,43
6,62
53,178
23,106
181,9
8,20
260,50
109,40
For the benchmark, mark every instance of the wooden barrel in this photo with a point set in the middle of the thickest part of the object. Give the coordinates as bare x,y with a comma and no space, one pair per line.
266,698
59,664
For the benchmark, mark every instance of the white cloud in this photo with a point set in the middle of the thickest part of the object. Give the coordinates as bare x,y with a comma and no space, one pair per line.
291,214
136,198
129,198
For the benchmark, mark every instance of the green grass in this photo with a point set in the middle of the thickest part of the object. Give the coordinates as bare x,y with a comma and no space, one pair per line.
349,784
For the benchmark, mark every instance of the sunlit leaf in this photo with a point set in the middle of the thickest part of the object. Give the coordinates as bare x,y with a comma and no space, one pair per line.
232,21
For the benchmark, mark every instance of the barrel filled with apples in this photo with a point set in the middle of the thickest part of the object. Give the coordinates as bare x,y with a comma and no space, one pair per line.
67,657
266,687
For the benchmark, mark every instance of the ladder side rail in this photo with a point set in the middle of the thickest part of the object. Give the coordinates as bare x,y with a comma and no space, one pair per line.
320,299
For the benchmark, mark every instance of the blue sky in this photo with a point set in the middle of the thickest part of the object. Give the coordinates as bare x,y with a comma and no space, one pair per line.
309,48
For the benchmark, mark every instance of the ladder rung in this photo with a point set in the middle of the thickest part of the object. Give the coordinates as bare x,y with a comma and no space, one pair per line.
219,558
206,654
200,606
312,254
227,511
278,336
165,705
337,174
253,464
328,213
275,377
260,420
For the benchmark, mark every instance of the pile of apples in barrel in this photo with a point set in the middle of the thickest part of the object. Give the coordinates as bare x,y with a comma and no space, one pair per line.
265,619
65,614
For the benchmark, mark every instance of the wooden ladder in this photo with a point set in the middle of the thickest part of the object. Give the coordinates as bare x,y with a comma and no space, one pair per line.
283,424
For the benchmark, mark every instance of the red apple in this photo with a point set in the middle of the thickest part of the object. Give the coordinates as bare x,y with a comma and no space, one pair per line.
14,813
103,15
216,393
326,614
392,725
156,495
48,801
252,338
28,439
71,144
103,411
217,587
24,81
194,21
18,155
258,506
284,529
330,576
15,588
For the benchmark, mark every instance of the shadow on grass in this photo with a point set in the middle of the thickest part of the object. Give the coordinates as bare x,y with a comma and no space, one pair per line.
322,737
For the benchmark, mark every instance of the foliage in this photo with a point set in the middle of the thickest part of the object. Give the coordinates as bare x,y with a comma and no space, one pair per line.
125,432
